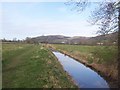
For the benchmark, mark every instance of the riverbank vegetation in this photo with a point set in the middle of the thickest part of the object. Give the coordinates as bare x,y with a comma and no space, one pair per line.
32,66
98,54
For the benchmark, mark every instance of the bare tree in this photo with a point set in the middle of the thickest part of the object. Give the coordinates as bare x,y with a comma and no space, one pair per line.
106,16
28,40
14,39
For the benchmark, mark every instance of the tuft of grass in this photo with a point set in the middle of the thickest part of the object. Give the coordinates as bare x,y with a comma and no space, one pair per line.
106,54
90,60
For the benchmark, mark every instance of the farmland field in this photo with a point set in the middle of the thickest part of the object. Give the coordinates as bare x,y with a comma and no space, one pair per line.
32,66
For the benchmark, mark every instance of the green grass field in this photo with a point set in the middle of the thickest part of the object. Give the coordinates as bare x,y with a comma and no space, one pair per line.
97,54
31,66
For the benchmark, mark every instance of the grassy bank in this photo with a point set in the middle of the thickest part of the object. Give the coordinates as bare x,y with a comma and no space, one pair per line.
101,58
31,66
93,54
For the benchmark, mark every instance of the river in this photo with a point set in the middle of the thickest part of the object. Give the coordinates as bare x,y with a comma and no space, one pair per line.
83,76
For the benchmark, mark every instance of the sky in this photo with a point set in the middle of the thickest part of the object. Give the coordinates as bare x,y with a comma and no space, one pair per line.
31,19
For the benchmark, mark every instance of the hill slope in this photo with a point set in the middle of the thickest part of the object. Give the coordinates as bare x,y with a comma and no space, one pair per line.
105,39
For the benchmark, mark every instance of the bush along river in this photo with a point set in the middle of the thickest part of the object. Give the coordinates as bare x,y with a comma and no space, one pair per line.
83,76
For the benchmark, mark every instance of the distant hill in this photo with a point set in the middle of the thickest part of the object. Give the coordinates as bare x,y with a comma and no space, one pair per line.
101,39
51,39
105,39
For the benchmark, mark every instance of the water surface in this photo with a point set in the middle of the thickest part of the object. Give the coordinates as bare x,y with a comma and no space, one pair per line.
82,75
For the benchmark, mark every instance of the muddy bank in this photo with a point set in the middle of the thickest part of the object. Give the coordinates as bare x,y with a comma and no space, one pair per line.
107,72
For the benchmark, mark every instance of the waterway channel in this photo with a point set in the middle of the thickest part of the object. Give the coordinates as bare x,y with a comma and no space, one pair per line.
83,76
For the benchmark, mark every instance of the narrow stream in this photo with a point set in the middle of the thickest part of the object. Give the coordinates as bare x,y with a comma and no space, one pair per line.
83,76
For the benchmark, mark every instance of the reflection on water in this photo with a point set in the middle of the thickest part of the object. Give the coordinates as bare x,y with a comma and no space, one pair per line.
83,76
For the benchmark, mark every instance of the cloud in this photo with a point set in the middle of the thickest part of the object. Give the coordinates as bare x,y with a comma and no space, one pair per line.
52,0
15,23
38,28
33,1
0,19
62,9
